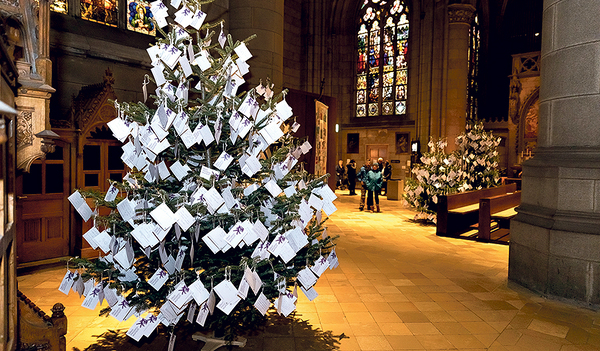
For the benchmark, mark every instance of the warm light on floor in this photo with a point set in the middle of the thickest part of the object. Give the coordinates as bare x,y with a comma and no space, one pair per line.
398,287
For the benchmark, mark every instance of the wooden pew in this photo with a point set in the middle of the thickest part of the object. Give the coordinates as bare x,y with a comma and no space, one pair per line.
456,212
500,208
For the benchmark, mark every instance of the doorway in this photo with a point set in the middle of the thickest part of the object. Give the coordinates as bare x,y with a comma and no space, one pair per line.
42,208
376,151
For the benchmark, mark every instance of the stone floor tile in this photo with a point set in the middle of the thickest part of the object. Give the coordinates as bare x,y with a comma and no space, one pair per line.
404,342
451,328
434,342
465,341
374,342
422,328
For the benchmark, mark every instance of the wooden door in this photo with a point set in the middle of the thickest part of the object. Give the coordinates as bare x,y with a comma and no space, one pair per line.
42,208
376,151
101,162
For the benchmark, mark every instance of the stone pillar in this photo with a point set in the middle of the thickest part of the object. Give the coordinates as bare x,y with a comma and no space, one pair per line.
42,62
459,18
555,238
265,19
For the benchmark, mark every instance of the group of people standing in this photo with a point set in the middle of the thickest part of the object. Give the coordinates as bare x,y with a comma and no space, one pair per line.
373,179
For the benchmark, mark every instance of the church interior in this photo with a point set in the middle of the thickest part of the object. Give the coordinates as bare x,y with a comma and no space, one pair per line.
392,75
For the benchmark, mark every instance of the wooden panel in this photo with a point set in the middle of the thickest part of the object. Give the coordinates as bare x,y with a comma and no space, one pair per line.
32,230
54,227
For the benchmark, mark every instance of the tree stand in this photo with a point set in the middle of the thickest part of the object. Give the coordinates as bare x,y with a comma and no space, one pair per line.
213,343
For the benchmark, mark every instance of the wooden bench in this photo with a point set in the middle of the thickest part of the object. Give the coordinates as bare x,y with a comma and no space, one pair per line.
457,212
498,209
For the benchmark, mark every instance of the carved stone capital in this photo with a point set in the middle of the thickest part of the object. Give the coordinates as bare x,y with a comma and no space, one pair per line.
461,13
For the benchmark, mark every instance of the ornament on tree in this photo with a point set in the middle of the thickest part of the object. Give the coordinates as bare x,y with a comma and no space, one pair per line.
217,220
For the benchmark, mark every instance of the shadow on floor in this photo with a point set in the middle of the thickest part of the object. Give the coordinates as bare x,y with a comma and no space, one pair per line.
279,333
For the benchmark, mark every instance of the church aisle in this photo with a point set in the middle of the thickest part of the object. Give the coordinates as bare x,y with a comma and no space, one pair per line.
398,287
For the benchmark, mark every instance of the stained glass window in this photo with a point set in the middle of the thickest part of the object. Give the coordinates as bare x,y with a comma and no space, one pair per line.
382,70
101,11
473,88
59,6
139,17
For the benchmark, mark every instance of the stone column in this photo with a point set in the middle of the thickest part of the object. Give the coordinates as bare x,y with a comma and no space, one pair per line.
265,19
459,18
43,63
555,238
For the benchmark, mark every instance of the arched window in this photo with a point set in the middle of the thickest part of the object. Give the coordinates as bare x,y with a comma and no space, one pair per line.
382,67
473,86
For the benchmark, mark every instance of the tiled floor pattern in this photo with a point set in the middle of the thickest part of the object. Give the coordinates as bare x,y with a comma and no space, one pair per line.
398,287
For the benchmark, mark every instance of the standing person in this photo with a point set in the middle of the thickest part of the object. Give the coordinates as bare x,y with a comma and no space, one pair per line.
362,176
339,174
387,175
351,171
373,181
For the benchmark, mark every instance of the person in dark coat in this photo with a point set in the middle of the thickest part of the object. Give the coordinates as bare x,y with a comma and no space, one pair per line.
351,172
339,174
362,176
387,175
373,182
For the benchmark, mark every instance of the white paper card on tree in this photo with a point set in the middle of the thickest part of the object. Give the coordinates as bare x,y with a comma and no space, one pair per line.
214,200
222,38
295,127
228,305
315,202
305,147
157,73
206,173
250,237
276,244
243,52
261,231
218,129
320,266
152,322
329,208
235,120
191,312
139,233
159,232
235,234
207,135
123,259
180,258
296,239
202,314
66,283
251,166
327,194
119,129
78,285
271,133
307,278
110,294
111,194
163,216
310,294
88,286
170,265
91,300
290,191
158,8
184,16
199,292
90,235
198,19
104,240
184,219
181,123
154,52
180,171
333,260
286,252
223,161
180,295
243,289
284,110
185,66
120,310
136,331
188,139
126,209
158,279
285,305
262,304
217,236
230,200
244,127
273,188
243,67
211,245
226,290
202,62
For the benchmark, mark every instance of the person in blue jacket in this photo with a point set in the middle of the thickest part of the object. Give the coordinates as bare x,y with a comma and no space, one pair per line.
373,182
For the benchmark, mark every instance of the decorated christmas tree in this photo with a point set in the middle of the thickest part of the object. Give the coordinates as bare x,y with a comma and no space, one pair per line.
216,221
474,165
438,174
478,150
